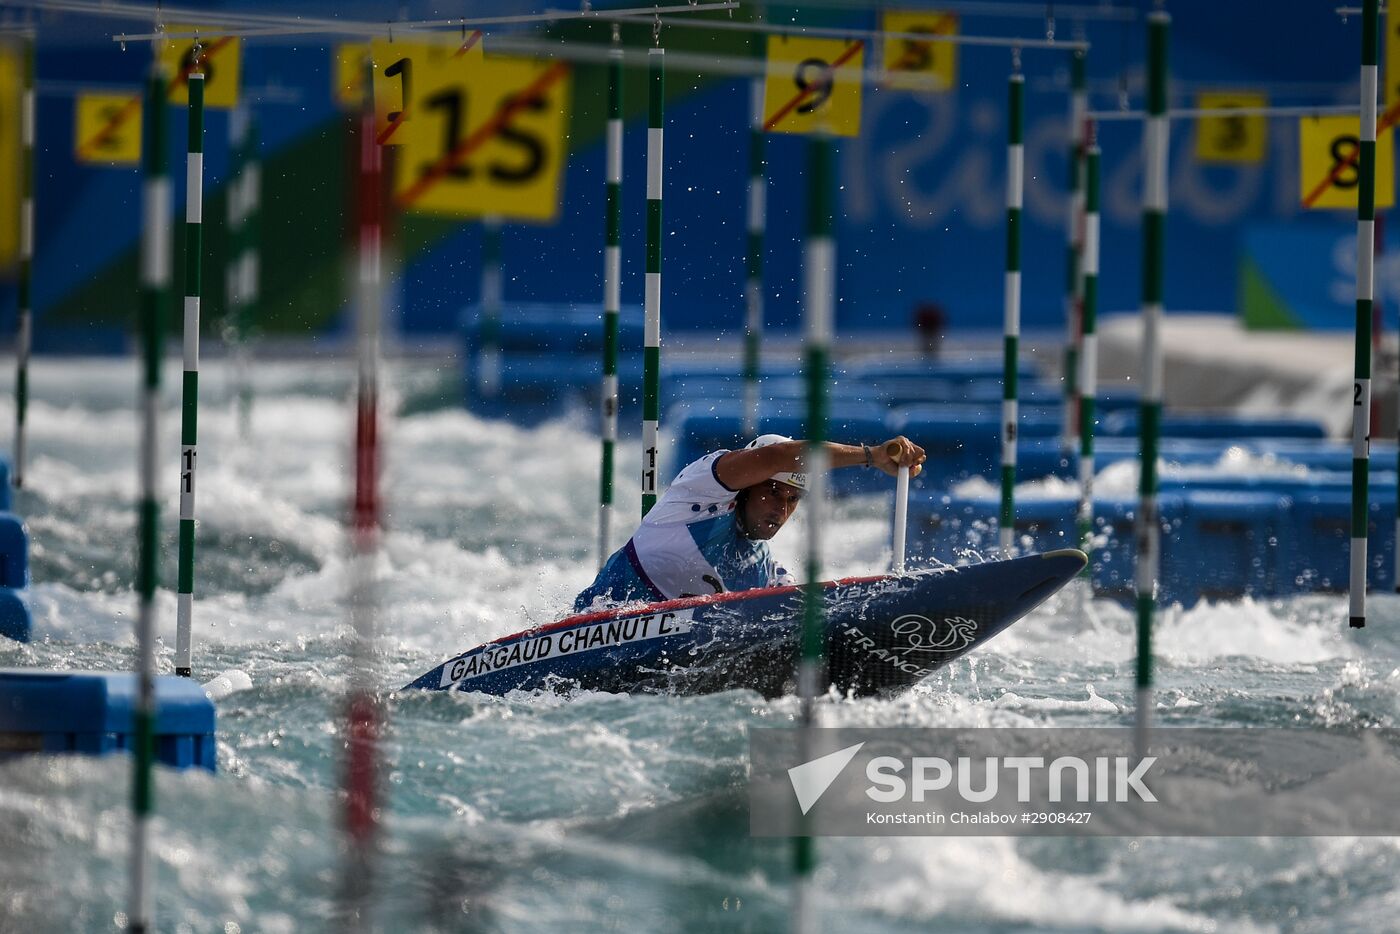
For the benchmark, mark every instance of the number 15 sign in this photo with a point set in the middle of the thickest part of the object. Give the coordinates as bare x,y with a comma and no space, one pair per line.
486,138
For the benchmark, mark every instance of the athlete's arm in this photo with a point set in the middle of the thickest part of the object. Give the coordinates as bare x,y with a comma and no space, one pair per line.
745,467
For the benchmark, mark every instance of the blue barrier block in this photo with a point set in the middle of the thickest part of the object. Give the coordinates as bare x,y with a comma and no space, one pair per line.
15,621
947,528
91,712
535,387
963,368
1125,423
689,366
964,441
778,389
710,425
1317,544
543,328
1225,546
14,552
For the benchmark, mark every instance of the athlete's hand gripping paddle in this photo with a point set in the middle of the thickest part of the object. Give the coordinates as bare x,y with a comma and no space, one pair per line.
901,510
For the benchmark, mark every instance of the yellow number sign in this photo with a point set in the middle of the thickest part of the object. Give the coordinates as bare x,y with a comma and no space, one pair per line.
1328,150
220,59
348,75
403,69
813,86
913,64
11,89
486,140
108,129
1231,139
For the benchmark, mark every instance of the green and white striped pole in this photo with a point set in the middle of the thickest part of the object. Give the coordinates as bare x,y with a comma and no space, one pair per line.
1011,304
651,353
1078,109
820,304
189,390
753,285
1365,285
24,336
1089,349
612,297
1154,219
488,373
155,311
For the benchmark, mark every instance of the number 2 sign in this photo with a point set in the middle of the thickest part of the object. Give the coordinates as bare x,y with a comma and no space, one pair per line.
813,86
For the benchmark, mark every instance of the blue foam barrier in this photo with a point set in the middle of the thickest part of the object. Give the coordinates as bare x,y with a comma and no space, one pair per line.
542,328
1316,540
787,389
960,369
535,387
91,712
14,552
710,425
1214,544
962,441
15,620
689,366
1125,423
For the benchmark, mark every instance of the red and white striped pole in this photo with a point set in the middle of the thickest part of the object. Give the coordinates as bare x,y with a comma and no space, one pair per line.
361,779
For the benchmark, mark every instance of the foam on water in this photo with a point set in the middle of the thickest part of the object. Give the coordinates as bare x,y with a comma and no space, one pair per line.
595,811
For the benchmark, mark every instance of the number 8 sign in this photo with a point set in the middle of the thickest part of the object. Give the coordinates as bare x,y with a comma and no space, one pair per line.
1328,151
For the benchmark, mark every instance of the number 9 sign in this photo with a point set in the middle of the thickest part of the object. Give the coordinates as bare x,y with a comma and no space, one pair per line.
813,86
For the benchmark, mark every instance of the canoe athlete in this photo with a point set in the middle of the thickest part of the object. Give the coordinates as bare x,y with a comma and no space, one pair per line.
709,532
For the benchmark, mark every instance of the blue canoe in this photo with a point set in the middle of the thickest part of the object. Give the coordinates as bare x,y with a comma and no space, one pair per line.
882,634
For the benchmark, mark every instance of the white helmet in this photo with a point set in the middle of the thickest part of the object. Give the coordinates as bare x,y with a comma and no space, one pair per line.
794,478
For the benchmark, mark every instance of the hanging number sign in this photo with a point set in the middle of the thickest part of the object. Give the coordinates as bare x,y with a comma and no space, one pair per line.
348,75
220,60
813,86
1329,163
1231,139
913,64
107,129
402,70
488,140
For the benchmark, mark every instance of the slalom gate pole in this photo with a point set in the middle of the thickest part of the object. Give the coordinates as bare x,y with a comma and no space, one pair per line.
1089,350
1154,218
820,303
1365,285
189,389
1011,298
651,353
612,298
1078,108
901,520
250,273
753,285
363,713
155,312
24,333
236,208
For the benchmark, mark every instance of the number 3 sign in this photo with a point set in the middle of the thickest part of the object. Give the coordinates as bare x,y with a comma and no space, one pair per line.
813,86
